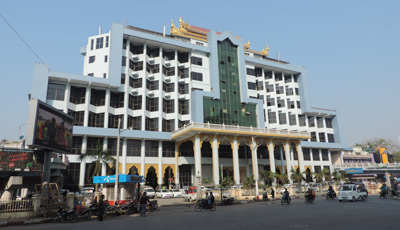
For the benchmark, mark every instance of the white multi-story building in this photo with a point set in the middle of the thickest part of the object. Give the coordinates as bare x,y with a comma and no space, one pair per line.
191,104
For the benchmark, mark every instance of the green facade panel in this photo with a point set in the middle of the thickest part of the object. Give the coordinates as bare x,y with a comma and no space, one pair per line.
228,109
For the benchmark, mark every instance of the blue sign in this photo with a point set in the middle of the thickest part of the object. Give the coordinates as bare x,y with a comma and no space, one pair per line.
354,171
122,178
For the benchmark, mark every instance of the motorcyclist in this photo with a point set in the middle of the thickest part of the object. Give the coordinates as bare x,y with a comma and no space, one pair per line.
331,192
286,195
211,199
384,189
310,194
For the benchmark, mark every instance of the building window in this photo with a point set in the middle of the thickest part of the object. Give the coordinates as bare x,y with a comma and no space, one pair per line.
91,44
168,87
311,122
279,89
124,43
168,149
251,85
76,147
313,136
183,57
321,137
182,123
105,76
290,104
90,74
183,88
168,71
133,148
302,120
96,120
320,122
169,56
272,117
168,125
151,124
99,43
116,100
135,102
251,72
77,95
152,104
292,119
306,154
123,61
153,52
135,82
315,154
106,58
289,91
297,91
155,68
135,122
113,121
328,122
196,61
260,85
107,40
288,78
123,77
168,106
136,66
269,87
317,169
196,76
136,49
152,85
92,59
268,74
298,105
324,153
55,92
93,143
282,118
183,72
270,101
331,138
281,103
112,146
78,117
151,148
278,77
183,107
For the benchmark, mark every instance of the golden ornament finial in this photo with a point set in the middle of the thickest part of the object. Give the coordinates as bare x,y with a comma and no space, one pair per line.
247,45
172,24
265,51
237,37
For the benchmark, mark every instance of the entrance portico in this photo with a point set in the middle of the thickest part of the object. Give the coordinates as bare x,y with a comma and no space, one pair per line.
244,143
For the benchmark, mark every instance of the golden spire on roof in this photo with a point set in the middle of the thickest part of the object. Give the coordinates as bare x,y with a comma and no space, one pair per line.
237,37
173,28
247,45
265,51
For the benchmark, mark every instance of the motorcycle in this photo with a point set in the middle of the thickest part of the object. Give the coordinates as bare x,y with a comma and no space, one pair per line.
69,215
227,200
152,205
285,199
395,193
84,214
382,194
331,195
309,199
204,205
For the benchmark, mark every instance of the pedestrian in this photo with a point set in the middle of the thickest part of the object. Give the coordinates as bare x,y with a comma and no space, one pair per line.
100,207
265,195
272,193
143,201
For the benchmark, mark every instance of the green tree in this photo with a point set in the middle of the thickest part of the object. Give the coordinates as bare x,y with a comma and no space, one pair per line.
281,178
318,176
339,176
327,174
267,176
396,156
390,145
297,176
227,182
249,182
100,157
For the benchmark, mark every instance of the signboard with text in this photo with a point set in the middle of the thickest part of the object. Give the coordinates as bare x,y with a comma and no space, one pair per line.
19,160
122,178
354,170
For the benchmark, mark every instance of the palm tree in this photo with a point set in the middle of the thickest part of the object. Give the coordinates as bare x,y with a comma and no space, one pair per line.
338,176
267,176
227,182
318,176
249,182
281,178
100,156
327,174
297,176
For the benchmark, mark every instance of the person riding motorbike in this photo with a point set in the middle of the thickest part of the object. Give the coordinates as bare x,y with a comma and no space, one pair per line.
285,195
331,192
384,189
310,194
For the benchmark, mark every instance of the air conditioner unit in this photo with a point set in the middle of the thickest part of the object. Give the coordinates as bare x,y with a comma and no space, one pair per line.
181,80
167,64
135,92
151,77
167,96
151,93
167,80
135,75
135,59
151,61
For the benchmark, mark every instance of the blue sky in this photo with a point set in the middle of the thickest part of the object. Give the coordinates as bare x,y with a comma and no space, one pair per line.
350,48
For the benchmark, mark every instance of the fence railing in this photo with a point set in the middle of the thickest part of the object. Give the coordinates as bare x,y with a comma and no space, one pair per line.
7,206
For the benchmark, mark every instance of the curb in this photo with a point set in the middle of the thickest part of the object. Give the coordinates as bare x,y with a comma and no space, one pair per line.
24,222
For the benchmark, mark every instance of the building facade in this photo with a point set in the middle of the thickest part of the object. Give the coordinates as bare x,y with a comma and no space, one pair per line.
194,105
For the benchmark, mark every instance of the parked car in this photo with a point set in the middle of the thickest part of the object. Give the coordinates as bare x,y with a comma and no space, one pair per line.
149,191
351,191
176,193
88,190
163,193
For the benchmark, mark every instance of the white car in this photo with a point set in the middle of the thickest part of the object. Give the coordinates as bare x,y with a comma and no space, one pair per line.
351,192
163,193
149,192
176,193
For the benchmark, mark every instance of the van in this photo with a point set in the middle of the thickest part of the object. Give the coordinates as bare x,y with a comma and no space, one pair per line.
352,191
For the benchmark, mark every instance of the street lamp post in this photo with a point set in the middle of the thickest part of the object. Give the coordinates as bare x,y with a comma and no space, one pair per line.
116,189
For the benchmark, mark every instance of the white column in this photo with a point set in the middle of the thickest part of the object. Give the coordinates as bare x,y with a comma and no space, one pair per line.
108,95
301,158
177,165
271,147
254,148
124,152
235,156
160,172
197,156
67,95
288,162
330,162
83,163
215,157
87,102
103,165
142,158
282,164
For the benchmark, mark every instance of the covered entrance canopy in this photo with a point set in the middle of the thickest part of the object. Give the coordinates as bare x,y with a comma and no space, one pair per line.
215,133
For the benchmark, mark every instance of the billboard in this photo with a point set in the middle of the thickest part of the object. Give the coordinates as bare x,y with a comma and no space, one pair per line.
48,128
354,170
122,178
11,160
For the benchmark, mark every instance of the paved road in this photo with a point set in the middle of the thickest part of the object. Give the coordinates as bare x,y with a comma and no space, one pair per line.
323,214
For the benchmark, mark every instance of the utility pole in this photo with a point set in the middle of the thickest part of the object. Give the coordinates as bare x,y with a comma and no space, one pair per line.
116,189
